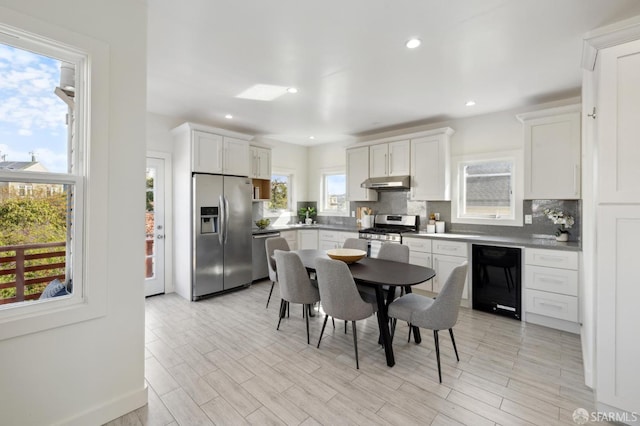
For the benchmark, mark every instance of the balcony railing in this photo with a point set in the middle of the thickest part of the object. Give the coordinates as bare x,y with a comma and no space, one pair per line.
28,268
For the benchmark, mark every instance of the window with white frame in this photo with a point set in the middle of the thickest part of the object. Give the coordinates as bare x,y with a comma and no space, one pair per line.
334,193
487,191
43,120
280,200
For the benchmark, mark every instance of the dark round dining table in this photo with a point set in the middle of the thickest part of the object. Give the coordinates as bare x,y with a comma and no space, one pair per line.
377,273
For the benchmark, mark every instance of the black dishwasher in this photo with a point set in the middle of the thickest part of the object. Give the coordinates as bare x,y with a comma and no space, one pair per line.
496,280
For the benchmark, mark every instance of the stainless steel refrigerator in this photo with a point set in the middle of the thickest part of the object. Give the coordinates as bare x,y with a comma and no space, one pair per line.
221,236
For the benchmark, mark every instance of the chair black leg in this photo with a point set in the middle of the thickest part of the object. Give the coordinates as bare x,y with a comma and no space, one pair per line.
345,327
435,338
454,343
287,309
334,322
410,329
355,343
273,283
307,316
324,324
281,314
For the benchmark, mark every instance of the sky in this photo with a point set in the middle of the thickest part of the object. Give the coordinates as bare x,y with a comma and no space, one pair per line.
32,117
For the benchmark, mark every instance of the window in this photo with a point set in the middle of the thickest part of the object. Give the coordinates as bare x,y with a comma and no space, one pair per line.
486,191
43,163
334,193
280,192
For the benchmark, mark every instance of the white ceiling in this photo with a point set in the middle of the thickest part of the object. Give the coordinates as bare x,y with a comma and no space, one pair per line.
348,60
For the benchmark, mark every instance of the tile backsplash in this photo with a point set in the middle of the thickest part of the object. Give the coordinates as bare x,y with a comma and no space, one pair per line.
398,202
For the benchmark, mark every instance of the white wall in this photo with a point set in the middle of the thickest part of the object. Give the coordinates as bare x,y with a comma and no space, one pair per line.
93,371
324,158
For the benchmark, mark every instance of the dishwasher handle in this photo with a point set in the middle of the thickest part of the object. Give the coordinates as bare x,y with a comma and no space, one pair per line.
272,234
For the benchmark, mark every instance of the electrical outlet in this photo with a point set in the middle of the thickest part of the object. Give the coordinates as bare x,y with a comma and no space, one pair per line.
528,219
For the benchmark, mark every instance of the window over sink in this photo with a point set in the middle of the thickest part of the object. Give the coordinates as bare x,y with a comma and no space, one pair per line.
488,190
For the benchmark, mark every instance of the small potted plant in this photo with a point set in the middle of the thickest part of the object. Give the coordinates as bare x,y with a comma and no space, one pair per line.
307,214
563,219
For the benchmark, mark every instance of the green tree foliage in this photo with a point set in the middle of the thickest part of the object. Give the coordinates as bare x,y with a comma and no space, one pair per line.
279,195
150,194
32,219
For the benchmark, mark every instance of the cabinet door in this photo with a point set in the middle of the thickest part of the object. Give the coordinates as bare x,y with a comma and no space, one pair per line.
206,155
292,239
617,296
260,163
552,157
236,157
399,158
327,244
618,125
358,172
422,259
378,160
444,265
430,168
307,239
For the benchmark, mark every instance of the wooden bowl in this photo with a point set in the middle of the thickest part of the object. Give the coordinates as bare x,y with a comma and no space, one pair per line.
346,255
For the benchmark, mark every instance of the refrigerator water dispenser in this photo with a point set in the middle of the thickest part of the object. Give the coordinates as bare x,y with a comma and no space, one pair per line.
208,220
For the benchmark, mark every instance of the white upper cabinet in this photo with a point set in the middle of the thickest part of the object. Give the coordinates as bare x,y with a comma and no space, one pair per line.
618,124
206,153
430,166
236,157
205,149
552,153
389,159
260,163
358,172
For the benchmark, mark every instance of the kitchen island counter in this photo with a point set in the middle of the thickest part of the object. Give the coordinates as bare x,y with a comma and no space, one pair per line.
545,242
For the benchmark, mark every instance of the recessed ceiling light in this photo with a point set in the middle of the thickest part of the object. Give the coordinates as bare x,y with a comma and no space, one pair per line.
470,103
312,137
292,90
413,43
228,116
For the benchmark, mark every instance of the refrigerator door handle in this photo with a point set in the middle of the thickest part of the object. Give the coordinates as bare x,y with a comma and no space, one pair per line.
223,221
226,218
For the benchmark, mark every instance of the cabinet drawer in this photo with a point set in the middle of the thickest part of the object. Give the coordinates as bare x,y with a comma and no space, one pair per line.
551,258
342,236
562,281
328,235
418,244
451,248
552,305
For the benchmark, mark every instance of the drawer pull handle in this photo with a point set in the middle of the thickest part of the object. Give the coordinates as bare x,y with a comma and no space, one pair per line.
448,248
551,280
552,258
551,305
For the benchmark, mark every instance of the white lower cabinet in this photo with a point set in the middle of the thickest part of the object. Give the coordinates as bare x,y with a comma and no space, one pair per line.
551,288
420,254
307,239
291,237
442,256
329,239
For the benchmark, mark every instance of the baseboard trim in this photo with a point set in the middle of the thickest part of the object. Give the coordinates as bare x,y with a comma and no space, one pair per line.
110,410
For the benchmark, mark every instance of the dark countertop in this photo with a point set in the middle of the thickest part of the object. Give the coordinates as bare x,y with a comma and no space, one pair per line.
533,242
544,243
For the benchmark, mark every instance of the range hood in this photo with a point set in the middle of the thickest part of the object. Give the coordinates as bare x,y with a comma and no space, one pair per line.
389,183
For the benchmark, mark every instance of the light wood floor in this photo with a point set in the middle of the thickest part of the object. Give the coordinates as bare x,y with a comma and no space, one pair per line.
221,361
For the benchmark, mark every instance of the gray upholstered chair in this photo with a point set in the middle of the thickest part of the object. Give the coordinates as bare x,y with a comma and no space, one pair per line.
436,314
340,297
295,285
272,244
356,243
393,252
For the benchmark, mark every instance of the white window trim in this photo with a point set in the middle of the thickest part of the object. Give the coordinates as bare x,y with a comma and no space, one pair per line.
283,216
91,57
518,187
323,173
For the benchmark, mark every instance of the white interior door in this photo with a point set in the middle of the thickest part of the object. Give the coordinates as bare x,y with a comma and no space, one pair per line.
155,227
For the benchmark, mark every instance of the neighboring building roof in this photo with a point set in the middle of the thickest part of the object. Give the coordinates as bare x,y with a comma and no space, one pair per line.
22,165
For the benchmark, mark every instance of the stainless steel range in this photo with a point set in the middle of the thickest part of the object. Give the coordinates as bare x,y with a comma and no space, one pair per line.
388,228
